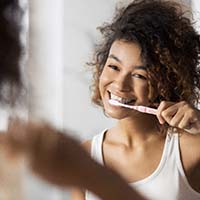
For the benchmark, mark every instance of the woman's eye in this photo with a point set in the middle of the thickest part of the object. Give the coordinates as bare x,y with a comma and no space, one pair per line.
139,76
114,67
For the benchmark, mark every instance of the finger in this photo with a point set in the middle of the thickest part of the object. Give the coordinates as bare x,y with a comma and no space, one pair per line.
174,113
175,118
189,120
162,107
168,116
185,123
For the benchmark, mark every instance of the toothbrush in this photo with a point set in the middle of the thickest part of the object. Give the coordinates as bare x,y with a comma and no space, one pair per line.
143,109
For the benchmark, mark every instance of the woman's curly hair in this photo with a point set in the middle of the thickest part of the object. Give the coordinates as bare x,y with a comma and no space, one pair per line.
10,50
170,48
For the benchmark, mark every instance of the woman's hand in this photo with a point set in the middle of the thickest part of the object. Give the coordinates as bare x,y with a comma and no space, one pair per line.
180,115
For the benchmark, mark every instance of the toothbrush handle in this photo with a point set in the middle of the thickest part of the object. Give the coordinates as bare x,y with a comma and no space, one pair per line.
148,110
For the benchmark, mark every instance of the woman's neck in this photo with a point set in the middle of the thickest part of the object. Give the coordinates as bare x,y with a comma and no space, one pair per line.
137,130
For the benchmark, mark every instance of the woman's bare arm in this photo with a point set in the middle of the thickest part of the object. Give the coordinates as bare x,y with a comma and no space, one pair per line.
62,161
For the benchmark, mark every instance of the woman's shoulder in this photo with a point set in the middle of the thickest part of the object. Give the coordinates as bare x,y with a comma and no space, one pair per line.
190,156
190,149
190,142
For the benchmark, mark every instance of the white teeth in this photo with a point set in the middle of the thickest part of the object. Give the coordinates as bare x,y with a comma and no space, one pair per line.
120,99
114,97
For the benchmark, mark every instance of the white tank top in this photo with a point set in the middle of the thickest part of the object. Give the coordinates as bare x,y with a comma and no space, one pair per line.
167,182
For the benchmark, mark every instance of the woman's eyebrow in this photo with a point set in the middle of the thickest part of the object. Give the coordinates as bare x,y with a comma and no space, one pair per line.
141,67
115,58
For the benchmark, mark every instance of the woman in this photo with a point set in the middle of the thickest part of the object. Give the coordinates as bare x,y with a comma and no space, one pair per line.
149,57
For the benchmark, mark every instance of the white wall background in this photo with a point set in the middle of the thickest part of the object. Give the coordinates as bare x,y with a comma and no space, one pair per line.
196,10
81,20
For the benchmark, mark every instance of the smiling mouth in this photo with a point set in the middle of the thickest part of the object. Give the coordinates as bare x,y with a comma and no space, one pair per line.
122,99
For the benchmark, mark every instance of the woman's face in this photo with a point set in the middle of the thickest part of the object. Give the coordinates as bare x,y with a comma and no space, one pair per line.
124,78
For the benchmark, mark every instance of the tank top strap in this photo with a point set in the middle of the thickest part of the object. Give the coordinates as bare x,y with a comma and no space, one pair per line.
96,147
177,151
178,158
171,146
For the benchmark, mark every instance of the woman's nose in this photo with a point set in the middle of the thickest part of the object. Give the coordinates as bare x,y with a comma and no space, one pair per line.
123,83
